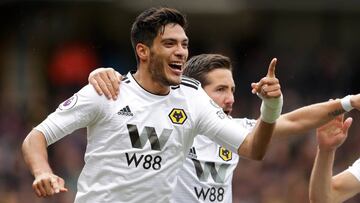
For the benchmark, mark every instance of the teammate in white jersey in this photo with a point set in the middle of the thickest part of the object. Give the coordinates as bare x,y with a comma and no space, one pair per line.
137,143
206,174
323,186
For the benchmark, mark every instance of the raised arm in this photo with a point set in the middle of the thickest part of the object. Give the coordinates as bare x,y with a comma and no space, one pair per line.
36,157
310,117
268,88
330,137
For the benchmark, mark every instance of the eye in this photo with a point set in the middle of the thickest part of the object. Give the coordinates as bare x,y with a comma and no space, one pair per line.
168,44
185,45
221,89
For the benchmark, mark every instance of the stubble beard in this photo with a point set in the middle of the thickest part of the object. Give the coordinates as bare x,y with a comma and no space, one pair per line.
157,71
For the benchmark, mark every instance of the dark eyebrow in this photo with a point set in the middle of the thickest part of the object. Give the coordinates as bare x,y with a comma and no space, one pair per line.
168,40
173,40
225,86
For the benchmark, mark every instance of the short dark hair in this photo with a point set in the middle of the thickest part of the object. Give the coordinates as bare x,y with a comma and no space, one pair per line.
199,66
151,21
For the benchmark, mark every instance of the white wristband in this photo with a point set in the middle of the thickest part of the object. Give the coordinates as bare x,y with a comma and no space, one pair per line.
346,104
271,109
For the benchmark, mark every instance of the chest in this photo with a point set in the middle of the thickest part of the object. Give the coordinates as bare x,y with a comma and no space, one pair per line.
142,123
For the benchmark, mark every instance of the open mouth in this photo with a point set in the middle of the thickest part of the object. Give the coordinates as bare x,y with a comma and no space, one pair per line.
176,66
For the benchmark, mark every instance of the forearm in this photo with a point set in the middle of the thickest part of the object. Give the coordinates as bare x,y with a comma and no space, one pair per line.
307,118
35,153
257,142
320,180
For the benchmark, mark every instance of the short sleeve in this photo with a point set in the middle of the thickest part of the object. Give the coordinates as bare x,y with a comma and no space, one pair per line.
355,169
212,122
77,112
248,124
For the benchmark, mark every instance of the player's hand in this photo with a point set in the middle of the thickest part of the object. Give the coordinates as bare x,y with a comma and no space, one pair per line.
268,86
331,135
48,184
106,81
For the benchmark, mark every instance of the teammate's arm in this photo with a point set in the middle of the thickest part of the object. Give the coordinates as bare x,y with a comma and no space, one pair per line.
255,144
324,188
344,186
34,149
309,117
268,88
105,81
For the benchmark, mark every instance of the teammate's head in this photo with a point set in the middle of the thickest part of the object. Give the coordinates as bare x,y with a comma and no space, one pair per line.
214,71
152,22
199,66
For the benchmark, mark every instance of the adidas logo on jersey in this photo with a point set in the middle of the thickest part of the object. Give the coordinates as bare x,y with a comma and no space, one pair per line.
125,111
192,153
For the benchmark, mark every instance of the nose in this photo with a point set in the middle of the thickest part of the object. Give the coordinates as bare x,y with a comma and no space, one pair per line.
181,52
229,99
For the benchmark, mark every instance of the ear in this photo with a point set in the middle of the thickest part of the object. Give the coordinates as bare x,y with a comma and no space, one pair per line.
142,51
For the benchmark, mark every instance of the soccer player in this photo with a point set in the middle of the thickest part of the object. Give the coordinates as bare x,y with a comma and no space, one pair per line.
137,143
206,174
323,186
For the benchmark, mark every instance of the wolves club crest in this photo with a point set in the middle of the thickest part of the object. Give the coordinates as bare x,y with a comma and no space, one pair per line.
225,154
177,116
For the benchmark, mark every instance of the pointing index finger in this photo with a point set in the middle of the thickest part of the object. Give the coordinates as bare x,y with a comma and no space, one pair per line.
271,70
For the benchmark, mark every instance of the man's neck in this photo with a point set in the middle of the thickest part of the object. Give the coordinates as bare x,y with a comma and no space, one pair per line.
146,81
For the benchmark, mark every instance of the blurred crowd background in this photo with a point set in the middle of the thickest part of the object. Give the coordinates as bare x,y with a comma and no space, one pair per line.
48,48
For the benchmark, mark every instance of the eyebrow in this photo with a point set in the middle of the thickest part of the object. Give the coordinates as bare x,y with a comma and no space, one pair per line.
226,86
174,40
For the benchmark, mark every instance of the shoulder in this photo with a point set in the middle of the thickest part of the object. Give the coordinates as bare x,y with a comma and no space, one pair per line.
187,82
88,96
125,79
88,91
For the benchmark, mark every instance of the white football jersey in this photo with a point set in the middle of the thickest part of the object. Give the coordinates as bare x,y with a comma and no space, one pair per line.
355,169
206,175
136,144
